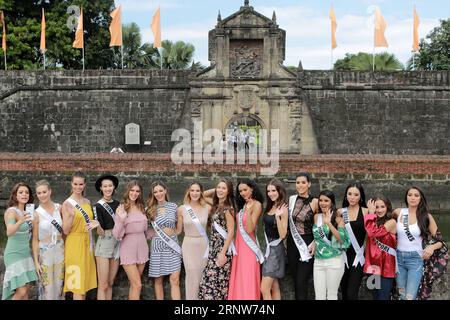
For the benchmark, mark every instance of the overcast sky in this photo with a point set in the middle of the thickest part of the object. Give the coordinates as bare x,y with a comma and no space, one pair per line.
306,23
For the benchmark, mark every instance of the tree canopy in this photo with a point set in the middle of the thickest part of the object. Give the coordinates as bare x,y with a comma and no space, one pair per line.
364,61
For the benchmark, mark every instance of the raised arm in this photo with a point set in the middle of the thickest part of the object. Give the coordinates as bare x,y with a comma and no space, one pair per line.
282,220
209,195
11,224
119,223
253,215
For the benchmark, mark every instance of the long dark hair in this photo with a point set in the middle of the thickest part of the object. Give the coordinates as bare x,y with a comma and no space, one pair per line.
256,194
422,211
329,194
13,202
362,199
282,196
229,201
388,215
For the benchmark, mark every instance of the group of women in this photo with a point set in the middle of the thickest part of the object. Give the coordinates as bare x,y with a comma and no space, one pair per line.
220,251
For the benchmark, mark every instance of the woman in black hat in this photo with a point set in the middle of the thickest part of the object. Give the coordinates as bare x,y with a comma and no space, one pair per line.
107,248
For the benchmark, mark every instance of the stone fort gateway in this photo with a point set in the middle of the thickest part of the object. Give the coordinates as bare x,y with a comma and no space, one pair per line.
388,129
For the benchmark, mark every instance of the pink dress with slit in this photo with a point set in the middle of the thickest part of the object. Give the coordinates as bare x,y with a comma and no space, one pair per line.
245,279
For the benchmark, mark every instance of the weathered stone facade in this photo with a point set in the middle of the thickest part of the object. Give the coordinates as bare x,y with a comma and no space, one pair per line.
316,112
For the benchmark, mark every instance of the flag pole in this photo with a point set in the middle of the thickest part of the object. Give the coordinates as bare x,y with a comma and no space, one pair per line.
414,60
121,50
331,59
82,49
6,67
44,60
160,55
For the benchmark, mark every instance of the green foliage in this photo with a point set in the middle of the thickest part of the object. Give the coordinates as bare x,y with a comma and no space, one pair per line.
23,20
434,52
364,61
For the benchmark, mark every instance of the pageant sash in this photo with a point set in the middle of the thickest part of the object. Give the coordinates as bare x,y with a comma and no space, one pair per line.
199,227
52,220
166,238
298,240
223,233
86,219
247,239
359,258
388,250
321,231
405,216
272,243
106,206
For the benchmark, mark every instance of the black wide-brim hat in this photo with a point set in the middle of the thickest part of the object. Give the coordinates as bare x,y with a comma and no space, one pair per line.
114,180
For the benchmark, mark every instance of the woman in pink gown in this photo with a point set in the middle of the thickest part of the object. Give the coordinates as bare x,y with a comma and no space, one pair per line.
245,280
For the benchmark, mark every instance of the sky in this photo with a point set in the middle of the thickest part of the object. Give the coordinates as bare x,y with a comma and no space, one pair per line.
306,22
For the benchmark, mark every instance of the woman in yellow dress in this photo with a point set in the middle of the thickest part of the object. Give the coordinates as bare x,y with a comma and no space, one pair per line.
78,222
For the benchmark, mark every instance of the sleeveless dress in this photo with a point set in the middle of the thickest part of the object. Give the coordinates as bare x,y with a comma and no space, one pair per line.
51,257
275,264
80,269
215,280
351,280
19,264
193,249
245,281
163,259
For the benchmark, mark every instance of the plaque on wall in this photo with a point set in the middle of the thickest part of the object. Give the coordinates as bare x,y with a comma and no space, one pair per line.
132,134
246,58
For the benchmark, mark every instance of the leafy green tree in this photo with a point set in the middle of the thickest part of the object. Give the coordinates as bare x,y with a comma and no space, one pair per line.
23,20
176,55
364,61
434,52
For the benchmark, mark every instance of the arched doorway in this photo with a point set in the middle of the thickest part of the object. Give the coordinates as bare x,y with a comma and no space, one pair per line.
243,131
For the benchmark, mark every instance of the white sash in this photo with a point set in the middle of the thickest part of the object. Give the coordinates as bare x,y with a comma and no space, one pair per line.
359,258
224,234
247,239
404,212
321,231
86,219
29,223
52,220
298,240
166,239
389,250
199,227
106,206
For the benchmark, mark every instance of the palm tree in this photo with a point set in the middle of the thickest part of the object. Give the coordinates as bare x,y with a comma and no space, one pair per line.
176,55
364,61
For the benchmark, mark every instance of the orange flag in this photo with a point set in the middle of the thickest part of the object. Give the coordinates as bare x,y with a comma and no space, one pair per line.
380,27
333,29
43,47
156,28
79,35
416,31
2,20
115,29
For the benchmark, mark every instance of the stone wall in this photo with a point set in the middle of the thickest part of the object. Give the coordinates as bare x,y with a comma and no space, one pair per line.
352,112
379,113
75,111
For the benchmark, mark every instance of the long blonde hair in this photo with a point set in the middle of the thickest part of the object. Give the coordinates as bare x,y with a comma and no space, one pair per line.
187,198
126,199
151,200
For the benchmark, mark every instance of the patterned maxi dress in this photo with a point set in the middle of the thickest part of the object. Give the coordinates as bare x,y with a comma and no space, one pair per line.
215,280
